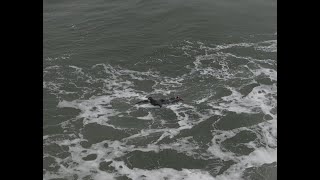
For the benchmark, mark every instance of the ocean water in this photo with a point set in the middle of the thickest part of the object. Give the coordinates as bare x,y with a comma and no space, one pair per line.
102,56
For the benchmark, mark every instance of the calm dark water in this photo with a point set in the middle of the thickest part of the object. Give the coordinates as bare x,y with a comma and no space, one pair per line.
102,56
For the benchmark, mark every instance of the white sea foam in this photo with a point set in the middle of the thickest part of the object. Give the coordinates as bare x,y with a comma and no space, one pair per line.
117,87
147,117
259,97
168,173
271,46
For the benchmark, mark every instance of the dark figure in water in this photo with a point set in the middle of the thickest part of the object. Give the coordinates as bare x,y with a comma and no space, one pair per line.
171,100
155,102
161,101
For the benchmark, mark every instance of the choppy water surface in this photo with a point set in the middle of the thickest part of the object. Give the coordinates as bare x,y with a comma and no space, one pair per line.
101,57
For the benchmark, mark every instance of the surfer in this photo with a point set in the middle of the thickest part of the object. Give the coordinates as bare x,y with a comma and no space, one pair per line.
160,102
155,102
151,101
171,100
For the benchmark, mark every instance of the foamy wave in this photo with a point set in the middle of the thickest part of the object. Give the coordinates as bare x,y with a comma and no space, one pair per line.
259,99
106,94
267,46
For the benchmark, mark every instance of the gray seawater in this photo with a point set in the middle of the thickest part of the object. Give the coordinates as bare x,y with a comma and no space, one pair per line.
102,56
